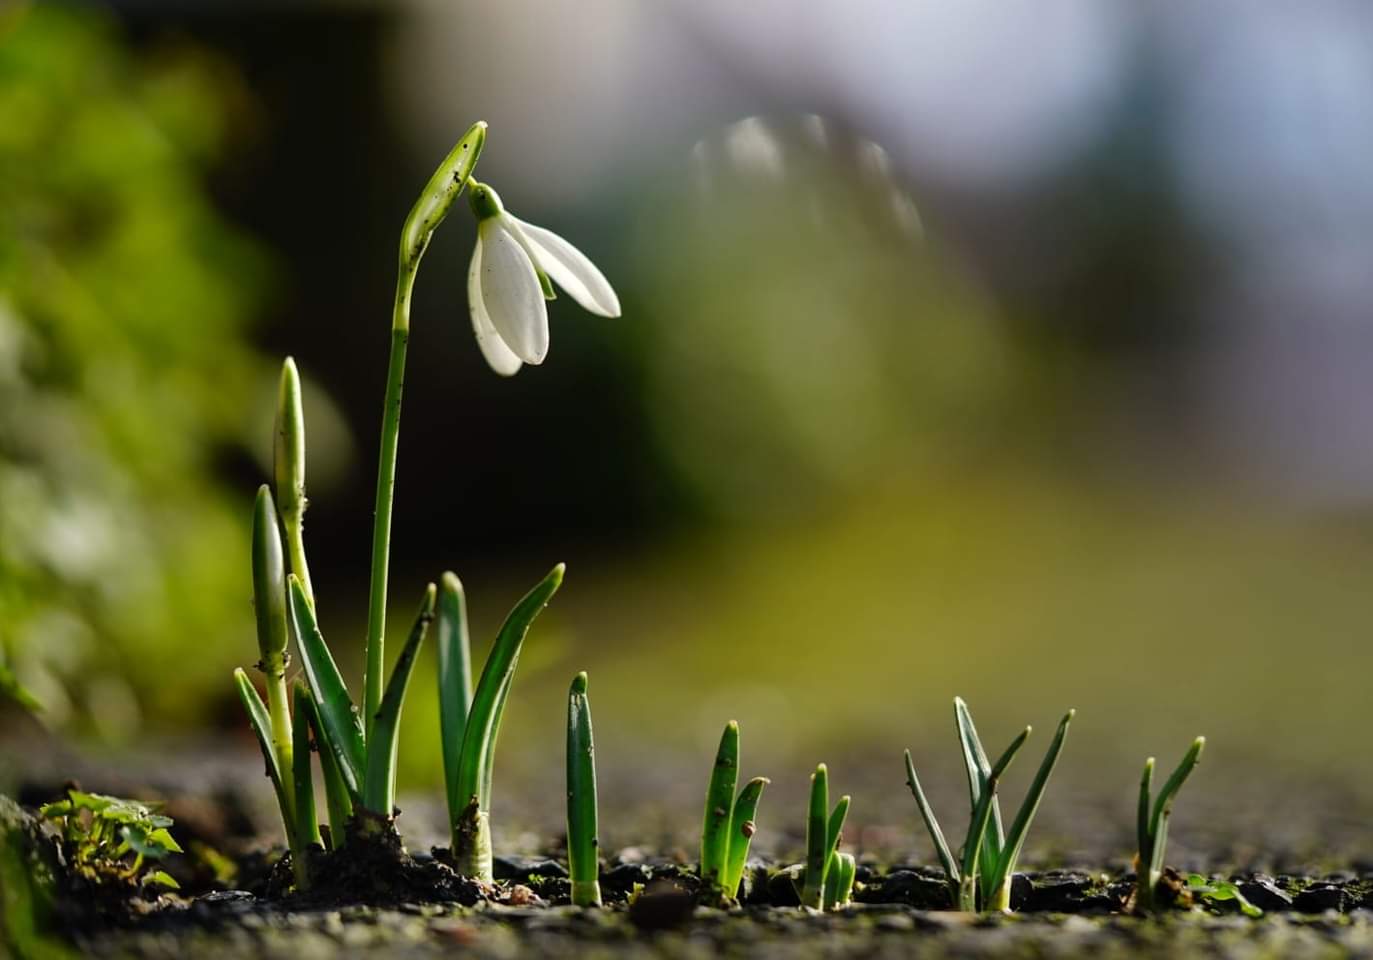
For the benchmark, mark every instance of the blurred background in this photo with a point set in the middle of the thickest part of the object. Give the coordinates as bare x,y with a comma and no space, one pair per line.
1016,351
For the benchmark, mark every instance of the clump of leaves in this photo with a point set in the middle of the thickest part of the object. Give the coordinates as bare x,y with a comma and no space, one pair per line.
729,820
109,840
1153,826
990,853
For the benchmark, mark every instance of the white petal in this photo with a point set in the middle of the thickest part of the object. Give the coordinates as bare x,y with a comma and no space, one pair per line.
493,348
511,292
570,269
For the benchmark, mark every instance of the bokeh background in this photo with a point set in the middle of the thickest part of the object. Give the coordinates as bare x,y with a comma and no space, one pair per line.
1016,351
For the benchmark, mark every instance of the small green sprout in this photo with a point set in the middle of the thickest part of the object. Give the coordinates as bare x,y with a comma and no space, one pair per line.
826,883
1152,825
470,722
583,845
100,832
729,821
1220,890
989,854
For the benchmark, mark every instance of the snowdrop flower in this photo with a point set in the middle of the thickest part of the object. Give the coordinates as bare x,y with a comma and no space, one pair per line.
508,283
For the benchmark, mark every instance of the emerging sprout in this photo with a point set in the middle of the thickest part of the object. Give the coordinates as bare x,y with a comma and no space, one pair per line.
99,833
989,854
471,722
1152,826
583,861
827,880
729,821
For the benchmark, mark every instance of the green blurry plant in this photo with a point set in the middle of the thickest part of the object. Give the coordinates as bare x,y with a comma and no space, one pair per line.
826,882
1220,891
989,854
729,821
1152,826
583,844
117,546
108,839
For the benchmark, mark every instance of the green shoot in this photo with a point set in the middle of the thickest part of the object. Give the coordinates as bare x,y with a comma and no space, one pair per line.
261,724
455,679
305,829
729,827
583,862
824,828
1152,825
379,788
336,796
100,833
288,463
429,211
469,793
989,855
1220,890
269,603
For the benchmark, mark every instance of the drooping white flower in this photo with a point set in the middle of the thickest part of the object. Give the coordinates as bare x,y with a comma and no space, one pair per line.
508,279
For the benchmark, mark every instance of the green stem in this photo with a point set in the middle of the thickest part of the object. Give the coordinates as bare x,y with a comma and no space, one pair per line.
428,212
269,600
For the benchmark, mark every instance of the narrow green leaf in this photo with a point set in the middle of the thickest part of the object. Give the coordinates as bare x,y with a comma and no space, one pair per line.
1145,839
848,871
489,697
941,846
161,878
978,769
261,724
715,830
1163,804
817,837
741,830
338,717
336,797
307,823
1020,826
982,814
583,845
455,679
834,830
832,871
379,790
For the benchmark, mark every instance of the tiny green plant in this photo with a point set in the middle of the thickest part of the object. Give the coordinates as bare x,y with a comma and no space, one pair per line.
1220,891
729,820
109,839
470,720
826,881
583,845
989,855
1152,825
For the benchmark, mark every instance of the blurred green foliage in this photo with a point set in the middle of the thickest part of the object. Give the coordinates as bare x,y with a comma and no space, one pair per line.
123,373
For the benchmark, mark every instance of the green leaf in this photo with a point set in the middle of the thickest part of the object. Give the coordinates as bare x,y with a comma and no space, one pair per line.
741,828
978,770
1163,804
483,722
941,846
154,844
982,814
303,773
455,679
1015,839
1221,890
583,862
379,793
1145,838
336,795
338,717
161,878
817,836
261,725
715,831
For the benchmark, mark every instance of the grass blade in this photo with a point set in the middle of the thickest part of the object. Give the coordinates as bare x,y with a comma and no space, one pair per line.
715,830
583,861
978,769
336,796
338,717
741,829
261,723
1145,838
455,679
817,836
469,820
1020,826
379,790
981,820
1163,804
835,829
941,846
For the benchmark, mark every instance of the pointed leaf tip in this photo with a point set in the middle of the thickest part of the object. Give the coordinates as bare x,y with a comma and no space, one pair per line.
579,684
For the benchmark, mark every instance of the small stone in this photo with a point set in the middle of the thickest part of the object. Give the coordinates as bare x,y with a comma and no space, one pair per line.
1263,893
1320,897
